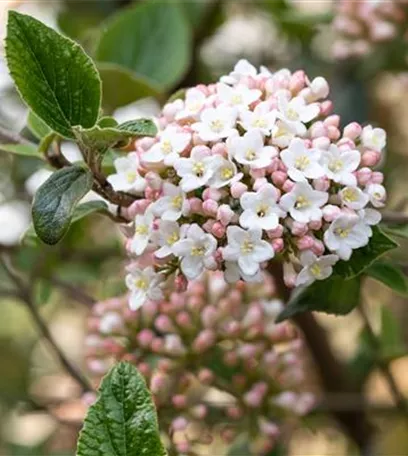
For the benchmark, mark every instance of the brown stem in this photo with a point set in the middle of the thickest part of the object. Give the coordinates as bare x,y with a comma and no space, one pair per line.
332,371
24,293
384,366
395,217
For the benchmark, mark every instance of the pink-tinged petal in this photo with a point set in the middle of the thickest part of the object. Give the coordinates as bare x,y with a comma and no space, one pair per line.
247,265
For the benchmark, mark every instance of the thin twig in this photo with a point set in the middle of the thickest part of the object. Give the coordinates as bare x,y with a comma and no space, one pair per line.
383,364
395,217
25,294
74,292
8,136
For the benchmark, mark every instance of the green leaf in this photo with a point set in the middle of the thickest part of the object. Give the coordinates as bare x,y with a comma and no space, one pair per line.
362,258
397,230
152,39
123,421
27,150
37,127
107,122
53,75
389,275
333,296
81,211
122,87
55,201
100,139
391,337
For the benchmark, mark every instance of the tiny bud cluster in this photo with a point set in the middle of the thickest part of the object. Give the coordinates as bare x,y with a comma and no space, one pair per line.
361,25
213,358
246,169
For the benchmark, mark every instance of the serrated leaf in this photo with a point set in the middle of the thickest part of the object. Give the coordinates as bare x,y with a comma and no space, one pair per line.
81,211
121,86
26,150
55,201
100,139
389,275
362,258
53,75
333,296
123,420
153,39
37,127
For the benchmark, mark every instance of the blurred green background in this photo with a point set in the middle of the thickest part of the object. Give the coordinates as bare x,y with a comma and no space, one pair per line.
151,50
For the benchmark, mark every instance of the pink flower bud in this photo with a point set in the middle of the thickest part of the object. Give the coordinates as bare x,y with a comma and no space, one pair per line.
318,129
364,176
259,183
219,149
268,428
299,229
179,401
322,184
257,173
279,178
204,341
297,81
235,412
318,247
179,424
253,399
288,186
333,132
315,225
289,275
164,324
153,180
208,224
210,207
330,212
180,283
278,245
346,144
171,109
199,411
206,376
145,337
146,143
238,189
157,345
333,120
326,107
377,178
352,130
321,143
225,214
305,242
218,230
275,233
370,158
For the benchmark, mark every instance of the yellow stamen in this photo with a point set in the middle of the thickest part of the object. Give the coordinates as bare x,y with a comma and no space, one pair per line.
177,202
247,246
197,251
198,169
301,202
131,176
350,195
142,229
336,166
342,232
316,270
302,162
173,238
250,154
226,173
217,125
166,147
141,284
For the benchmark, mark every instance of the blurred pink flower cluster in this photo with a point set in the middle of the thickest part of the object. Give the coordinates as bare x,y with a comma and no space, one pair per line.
363,24
246,169
213,358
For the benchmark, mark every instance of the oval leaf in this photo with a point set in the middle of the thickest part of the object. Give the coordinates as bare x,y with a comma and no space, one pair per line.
365,256
122,87
53,75
389,275
37,127
152,39
333,296
55,201
27,150
123,421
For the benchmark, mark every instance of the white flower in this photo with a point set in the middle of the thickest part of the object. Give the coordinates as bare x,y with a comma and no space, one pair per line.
143,232
195,171
304,203
216,123
340,164
301,162
172,205
377,195
225,173
353,197
196,251
241,69
250,150
143,284
261,209
282,134
167,234
296,112
127,177
347,232
247,249
373,138
172,142
369,217
193,104
238,96
233,273
261,118
315,268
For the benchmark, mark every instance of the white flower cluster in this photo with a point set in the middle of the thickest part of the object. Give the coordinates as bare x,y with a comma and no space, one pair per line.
245,169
